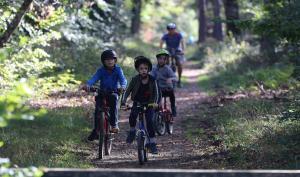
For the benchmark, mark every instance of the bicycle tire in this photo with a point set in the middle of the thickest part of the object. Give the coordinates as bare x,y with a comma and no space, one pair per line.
141,148
107,144
101,136
160,125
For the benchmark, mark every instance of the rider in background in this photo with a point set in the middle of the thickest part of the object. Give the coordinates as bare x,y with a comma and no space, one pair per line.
165,78
111,77
174,43
143,89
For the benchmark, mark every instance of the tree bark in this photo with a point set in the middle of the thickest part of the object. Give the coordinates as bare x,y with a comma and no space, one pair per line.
136,18
267,44
232,14
15,22
202,20
217,32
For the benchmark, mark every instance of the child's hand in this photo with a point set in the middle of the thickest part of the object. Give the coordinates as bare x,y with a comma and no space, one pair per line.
121,90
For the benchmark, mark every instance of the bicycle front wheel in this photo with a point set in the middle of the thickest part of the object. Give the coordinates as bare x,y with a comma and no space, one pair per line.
101,136
141,148
108,140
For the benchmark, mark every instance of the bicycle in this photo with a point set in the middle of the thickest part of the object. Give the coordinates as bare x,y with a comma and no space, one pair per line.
104,128
142,136
164,119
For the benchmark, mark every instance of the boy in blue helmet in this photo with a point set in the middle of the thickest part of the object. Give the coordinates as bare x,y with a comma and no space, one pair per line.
111,79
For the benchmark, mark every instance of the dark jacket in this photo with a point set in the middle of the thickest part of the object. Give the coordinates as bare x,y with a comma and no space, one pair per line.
134,86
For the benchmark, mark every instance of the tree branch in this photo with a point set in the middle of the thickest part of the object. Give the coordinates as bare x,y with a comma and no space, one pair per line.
15,22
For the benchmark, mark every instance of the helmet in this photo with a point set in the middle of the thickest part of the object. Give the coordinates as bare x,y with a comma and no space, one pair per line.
142,60
162,52
171,26
108,54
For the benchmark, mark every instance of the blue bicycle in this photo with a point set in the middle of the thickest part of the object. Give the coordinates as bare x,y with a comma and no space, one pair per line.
142,136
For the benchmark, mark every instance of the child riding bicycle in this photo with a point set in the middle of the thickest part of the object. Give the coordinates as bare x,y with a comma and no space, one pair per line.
110,76
165,78
143,89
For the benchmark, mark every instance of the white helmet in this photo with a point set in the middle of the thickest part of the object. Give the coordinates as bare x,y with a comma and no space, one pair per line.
171,26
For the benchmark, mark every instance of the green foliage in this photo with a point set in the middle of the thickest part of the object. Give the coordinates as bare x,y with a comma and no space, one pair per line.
13,107
238,66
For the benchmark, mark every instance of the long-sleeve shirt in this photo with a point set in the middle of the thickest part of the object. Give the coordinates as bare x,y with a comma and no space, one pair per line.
109,80
135,86
161,74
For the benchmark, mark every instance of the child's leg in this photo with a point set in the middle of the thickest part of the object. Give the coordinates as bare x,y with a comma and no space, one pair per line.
113,109
151,132
98,100
172,100
150,125
133,116
132,122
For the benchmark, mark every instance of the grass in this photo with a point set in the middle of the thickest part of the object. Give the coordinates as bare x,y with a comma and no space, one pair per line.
252,131
54,140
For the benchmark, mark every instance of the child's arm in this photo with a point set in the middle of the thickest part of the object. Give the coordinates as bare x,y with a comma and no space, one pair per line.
127,92
122,79
171,75
156,92
95,78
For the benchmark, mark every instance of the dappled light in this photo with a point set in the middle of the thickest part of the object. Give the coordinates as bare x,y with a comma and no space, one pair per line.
74,74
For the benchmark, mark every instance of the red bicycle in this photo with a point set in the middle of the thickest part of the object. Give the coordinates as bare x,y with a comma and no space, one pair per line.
104,129
164,119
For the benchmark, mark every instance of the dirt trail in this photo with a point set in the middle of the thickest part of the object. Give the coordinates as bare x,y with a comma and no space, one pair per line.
175,151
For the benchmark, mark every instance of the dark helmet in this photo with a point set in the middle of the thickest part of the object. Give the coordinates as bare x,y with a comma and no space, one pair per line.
162,52
142,60
171,26
108,54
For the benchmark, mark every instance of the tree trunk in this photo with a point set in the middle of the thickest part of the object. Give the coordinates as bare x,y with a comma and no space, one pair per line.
232,14
217,33
267,44
15,22
202,20
136,18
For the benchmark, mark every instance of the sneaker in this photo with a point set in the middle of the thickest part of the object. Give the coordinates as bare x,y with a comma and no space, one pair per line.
115,130
93,135
153,148
131,136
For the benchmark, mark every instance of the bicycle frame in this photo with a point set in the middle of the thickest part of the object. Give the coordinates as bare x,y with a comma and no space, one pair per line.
142,120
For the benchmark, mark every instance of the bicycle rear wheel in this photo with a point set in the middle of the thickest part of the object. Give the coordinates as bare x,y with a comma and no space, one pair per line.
141,148
101,136
160,125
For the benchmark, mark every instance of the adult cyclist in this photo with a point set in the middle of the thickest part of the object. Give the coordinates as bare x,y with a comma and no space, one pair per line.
175,46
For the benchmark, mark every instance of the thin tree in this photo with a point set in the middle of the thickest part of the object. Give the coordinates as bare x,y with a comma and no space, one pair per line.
202,20
267,45
136,16
232,15
217,32
15,22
